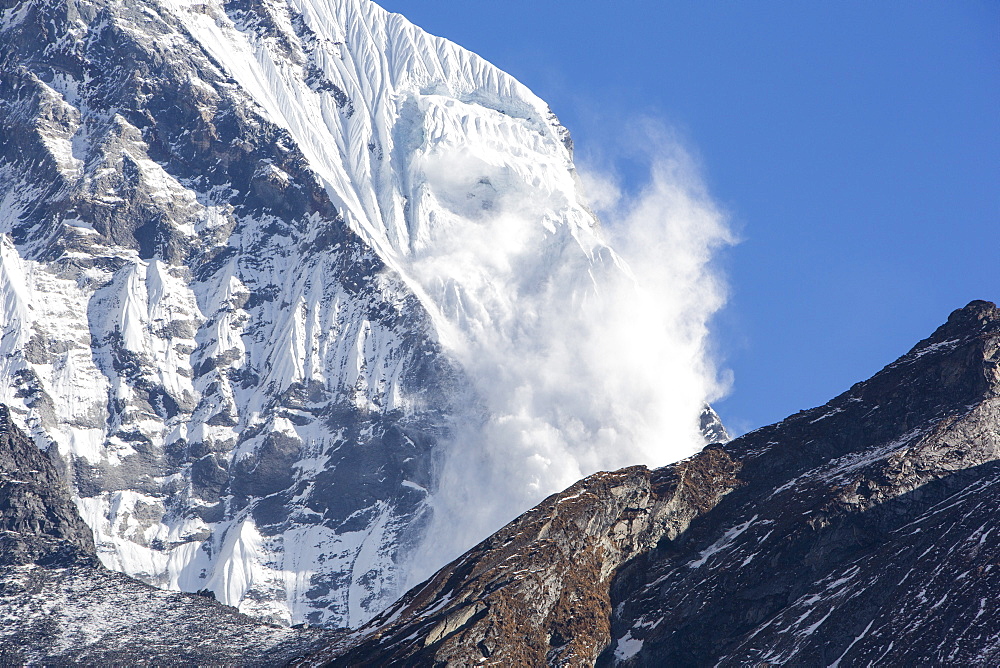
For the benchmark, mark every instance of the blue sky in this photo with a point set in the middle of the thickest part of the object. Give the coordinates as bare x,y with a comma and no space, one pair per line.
854,145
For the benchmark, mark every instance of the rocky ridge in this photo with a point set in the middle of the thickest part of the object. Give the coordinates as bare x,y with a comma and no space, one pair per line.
536,592
860,531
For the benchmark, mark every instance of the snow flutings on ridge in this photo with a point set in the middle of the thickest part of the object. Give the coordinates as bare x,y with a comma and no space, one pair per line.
459,178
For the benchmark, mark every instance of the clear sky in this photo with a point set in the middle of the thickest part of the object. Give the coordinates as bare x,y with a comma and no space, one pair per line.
855,146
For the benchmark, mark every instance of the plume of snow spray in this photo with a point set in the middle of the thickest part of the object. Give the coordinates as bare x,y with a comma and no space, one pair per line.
582,358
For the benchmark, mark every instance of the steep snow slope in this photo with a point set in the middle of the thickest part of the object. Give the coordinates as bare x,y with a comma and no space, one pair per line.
272,274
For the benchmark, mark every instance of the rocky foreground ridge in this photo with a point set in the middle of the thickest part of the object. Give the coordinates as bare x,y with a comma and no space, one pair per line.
863,531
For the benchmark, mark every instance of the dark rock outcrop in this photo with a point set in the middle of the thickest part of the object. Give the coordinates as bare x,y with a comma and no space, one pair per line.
39,522
861,531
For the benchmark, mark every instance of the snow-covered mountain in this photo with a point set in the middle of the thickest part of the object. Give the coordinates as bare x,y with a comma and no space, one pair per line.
279,277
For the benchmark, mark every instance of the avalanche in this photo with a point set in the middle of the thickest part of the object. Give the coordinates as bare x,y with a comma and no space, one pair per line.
293,288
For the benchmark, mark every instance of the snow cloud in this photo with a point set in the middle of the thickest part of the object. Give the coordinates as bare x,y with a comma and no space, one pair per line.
581,358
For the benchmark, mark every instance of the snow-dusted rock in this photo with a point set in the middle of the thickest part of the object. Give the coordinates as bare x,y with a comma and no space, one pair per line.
861,532
59,605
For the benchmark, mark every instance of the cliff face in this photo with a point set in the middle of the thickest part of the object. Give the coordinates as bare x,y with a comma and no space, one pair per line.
862,530
226,371
39,522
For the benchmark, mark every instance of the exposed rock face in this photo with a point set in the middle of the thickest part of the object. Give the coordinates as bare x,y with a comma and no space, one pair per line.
861,531
536,592
59,605
39,522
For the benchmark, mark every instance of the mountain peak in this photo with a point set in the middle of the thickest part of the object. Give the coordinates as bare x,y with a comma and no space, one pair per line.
254,302
977,316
